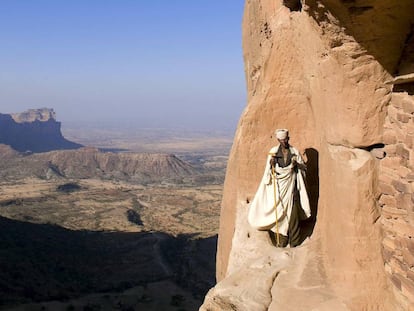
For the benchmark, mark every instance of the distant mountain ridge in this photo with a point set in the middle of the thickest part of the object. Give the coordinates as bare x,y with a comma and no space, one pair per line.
34,130
32,145
89,162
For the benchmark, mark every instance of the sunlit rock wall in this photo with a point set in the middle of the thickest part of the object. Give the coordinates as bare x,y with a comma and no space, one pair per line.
396,196
321,71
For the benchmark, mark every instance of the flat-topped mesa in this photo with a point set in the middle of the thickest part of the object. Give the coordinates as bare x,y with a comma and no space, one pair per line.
32,115
89,162
35,130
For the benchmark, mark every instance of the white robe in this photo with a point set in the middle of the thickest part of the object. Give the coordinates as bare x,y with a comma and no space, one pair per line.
262,214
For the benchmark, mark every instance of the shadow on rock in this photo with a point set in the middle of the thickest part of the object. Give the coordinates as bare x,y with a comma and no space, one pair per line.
312,185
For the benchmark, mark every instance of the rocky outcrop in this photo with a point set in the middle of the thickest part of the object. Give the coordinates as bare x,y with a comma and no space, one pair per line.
321,70
35,130
32,115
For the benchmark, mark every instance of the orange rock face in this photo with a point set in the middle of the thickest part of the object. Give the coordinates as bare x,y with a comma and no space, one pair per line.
321,71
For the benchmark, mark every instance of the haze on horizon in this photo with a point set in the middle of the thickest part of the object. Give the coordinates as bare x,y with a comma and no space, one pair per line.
151,63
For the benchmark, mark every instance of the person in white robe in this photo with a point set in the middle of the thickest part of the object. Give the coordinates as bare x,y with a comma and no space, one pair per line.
281,194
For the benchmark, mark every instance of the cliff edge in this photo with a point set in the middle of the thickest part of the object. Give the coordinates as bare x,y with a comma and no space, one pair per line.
35,130
326,71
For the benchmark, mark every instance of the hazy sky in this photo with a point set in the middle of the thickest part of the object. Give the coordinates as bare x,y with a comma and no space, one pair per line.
145,62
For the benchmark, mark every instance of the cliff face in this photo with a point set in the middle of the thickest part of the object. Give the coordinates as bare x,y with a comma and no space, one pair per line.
319,68
34,130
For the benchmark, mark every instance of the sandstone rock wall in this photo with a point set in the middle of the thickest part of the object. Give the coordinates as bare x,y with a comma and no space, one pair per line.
322,72
396,196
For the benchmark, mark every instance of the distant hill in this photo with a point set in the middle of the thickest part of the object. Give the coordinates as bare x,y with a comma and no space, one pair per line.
35,130
89,162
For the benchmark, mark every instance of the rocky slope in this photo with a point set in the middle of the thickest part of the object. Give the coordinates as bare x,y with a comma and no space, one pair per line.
324,69
35,130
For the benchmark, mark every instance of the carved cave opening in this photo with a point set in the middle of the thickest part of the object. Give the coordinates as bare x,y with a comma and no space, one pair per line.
293,5
406,87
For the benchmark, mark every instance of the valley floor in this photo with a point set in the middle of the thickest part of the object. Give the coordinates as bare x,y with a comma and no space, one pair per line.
82,243
103,244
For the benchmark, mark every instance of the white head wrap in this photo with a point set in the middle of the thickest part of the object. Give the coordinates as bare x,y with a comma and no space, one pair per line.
282,133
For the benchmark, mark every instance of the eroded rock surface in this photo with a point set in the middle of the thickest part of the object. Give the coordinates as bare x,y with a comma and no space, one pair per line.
323,72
